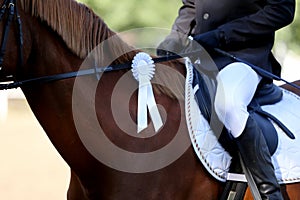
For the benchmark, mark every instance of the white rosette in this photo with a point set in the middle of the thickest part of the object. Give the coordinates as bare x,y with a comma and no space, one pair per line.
143,69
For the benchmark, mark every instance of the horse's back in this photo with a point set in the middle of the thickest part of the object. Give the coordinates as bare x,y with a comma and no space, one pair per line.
291,88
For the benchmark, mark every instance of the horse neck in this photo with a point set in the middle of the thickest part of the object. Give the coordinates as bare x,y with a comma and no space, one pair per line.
52,103
49,55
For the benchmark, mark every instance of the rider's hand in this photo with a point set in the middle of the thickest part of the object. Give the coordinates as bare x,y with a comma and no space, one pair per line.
173,44
207,41
211,39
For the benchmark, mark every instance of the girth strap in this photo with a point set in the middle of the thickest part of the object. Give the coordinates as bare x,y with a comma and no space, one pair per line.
255,107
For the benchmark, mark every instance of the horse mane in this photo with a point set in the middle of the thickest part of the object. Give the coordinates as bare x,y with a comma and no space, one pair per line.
82,30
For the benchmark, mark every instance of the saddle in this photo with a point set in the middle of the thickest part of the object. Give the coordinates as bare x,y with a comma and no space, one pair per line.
218,153
266,94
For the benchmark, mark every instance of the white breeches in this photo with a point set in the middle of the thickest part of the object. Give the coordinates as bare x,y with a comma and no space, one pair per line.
237,84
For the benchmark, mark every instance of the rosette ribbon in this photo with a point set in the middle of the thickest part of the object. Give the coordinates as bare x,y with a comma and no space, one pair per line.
143,70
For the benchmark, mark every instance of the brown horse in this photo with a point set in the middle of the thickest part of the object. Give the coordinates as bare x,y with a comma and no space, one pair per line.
58,36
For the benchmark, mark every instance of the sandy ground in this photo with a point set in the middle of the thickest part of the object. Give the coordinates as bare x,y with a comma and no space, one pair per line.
30,167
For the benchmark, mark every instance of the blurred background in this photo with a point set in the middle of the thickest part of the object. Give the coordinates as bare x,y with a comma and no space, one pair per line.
30,168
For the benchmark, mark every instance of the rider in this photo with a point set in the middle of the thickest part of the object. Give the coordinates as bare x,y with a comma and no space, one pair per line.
246,29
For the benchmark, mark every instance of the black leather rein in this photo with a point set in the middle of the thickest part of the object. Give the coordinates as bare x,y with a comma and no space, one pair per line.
93,71
97,70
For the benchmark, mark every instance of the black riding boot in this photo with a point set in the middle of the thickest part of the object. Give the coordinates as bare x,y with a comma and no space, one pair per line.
257,158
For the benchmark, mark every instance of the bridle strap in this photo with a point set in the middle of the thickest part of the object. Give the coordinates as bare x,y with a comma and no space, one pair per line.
20,36
10,7
6,5
3,8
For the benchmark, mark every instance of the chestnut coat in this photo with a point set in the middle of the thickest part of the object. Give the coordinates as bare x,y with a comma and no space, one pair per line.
248,26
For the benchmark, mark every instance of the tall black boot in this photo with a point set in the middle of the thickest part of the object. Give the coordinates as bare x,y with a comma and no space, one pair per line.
257,158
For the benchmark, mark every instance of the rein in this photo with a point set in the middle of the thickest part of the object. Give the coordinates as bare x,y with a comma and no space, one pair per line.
97,70
87,72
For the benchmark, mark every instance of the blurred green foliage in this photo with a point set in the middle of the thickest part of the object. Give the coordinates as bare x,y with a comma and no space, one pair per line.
291,34
129,14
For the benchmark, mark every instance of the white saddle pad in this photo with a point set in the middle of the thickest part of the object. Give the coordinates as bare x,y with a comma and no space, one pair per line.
217,161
